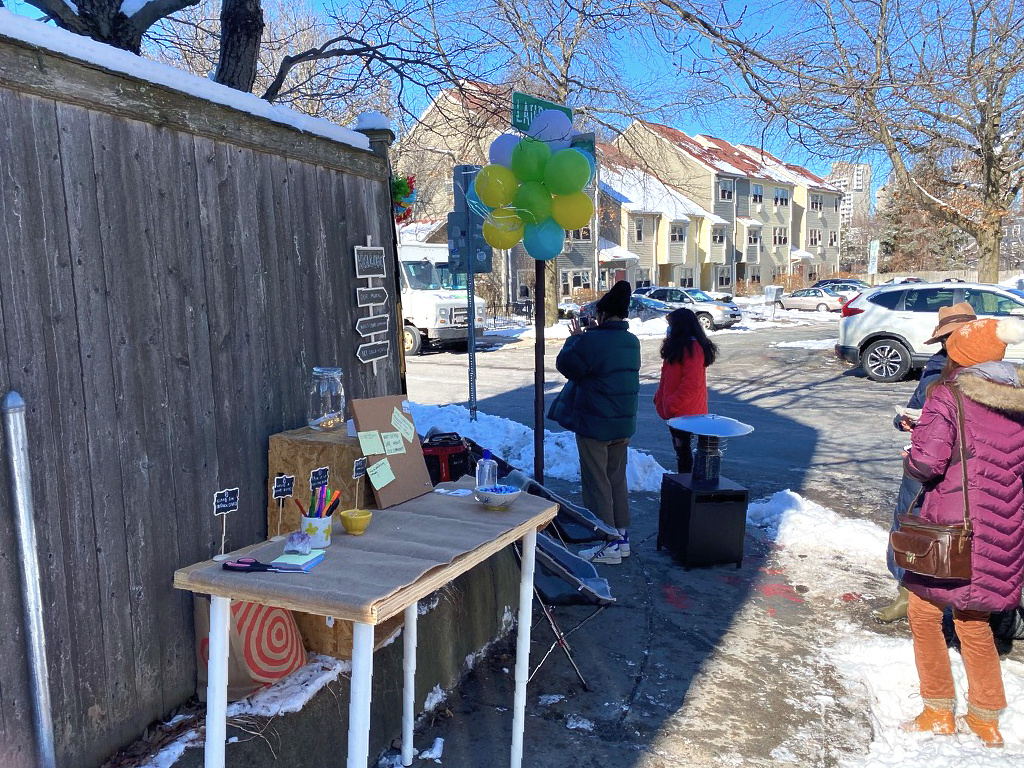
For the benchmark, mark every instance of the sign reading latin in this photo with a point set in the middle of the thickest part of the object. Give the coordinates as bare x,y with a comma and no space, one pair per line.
525,108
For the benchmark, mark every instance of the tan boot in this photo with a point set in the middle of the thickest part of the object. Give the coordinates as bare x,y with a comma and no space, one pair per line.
896,610
985,726
932,720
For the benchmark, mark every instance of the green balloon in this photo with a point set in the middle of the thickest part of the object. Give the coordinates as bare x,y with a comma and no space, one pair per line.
529,159
566,172
532,202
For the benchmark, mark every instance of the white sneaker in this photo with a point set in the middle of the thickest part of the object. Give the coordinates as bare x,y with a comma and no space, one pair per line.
603,553
623,544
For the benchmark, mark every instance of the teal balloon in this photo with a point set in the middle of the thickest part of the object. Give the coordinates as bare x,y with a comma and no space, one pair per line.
566,172
529,160
532,202
476,205
543,241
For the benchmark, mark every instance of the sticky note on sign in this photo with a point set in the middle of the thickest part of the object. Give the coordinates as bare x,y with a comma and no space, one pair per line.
403,425
370,443
393,442
380,474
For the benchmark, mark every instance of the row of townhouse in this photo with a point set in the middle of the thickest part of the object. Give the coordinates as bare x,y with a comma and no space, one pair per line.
669,209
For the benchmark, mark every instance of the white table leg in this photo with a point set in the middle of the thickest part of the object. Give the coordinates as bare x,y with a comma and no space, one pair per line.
523,646
359,698
217,681
409,688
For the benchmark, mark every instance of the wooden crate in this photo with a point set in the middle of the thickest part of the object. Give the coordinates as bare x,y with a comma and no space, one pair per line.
336,639
298,453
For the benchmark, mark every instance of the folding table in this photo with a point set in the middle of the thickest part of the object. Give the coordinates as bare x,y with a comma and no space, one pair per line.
408,552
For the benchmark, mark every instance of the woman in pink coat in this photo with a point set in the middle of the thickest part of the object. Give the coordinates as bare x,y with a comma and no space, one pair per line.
992,393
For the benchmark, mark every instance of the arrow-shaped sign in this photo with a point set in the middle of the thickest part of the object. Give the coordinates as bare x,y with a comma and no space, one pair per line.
373,350
367,326
366,297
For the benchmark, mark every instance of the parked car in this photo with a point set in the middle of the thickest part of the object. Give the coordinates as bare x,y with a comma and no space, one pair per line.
832,282
640,308
820,299
644,290
885,330
899,280
568,309
710,313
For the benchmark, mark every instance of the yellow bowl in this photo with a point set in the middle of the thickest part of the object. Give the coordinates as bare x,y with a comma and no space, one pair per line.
355,521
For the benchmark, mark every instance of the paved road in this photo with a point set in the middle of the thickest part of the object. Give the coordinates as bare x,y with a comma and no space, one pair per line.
821,429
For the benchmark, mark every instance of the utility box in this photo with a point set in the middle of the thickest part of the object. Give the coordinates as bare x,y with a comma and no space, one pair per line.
702,526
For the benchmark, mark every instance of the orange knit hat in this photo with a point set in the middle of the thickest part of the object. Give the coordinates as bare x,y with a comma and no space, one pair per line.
984,341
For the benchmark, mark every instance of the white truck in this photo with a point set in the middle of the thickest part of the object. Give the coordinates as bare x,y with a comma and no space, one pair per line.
435,303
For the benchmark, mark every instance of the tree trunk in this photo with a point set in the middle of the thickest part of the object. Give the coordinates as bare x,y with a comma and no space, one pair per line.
241,30
988,250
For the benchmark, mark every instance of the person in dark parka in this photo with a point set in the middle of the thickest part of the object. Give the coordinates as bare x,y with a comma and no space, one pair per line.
599,403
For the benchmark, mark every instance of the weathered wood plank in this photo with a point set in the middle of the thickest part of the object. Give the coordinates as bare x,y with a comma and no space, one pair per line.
34,233
106,494
52,75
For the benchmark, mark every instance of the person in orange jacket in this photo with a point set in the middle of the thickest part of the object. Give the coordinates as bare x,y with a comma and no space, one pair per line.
683,391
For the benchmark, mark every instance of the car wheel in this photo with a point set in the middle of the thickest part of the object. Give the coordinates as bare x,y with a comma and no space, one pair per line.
886,360
780,305
822,308
412,340
706,322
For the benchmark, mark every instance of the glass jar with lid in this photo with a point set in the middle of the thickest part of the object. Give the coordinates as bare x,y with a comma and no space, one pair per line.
326,399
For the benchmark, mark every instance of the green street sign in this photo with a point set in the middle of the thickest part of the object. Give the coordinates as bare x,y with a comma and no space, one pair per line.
525,108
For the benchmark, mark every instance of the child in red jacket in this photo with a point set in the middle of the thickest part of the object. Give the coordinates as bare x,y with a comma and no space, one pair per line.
683,390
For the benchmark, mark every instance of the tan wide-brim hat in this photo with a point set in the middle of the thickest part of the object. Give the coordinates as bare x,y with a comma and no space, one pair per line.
951,318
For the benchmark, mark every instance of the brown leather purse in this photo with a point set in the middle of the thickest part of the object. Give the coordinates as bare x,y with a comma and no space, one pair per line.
934,550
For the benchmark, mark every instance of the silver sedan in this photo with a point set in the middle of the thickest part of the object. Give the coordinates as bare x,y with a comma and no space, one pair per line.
820,299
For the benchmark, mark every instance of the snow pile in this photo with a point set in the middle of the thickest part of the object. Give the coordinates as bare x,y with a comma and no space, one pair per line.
513,442
434,753
434,699
807,344
372,121
115,60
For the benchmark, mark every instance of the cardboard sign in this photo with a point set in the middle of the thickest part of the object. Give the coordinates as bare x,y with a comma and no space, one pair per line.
318,478
394,476
284,486
225,501
370,262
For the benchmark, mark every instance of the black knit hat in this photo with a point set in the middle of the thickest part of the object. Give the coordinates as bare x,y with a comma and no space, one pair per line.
616,301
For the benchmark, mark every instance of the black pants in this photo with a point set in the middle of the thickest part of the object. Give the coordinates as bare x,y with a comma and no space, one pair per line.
684,453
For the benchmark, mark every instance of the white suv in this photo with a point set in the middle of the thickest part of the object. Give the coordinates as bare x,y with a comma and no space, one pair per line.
885,329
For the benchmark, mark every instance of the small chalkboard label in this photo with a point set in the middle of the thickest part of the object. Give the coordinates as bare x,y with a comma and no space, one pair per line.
225,501
318,478
370,262
367,297
374,350
367,326
359,468
284,486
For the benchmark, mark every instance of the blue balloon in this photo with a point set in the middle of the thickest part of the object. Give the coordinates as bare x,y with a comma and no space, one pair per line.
501,149
476,205
543,241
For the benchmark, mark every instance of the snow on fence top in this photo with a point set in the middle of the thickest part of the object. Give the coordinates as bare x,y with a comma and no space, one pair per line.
113,59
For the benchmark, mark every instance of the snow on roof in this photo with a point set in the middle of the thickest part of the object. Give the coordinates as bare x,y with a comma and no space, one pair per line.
113,59
794,174
748,222
707,153
419,231
609,251
798,254
641,192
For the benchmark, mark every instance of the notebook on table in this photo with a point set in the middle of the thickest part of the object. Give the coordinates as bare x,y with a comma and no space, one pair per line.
303,563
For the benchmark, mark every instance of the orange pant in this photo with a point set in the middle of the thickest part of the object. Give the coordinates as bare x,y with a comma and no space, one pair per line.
981,661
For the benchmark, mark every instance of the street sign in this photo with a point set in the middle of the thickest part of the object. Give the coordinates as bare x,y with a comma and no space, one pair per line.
370,262
459,244
366,297
367,326
525,108
873,257
373,350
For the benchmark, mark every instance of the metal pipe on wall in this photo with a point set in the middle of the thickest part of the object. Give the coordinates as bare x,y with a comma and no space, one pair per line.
28,562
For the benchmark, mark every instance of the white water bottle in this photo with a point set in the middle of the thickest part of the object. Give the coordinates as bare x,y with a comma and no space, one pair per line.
486,471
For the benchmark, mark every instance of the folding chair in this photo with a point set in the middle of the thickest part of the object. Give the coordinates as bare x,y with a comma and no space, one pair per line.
562,578
572,524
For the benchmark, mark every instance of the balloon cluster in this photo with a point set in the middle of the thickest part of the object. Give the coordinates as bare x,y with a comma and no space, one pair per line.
532,189
403,195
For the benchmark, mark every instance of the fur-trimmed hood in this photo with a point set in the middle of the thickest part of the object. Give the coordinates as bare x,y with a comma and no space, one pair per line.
999,386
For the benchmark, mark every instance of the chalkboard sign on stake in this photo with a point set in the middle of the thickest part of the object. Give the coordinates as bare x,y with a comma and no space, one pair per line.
224,503
284,486
318,479
370,262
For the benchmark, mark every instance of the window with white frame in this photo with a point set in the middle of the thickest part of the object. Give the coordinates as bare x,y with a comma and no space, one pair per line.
781,197
753,236
813,237
685,277
581,235
575,280
753,273
638,229
756,193
677,233
602,280
838,198
833,237
858,178
641,278
525,278
817,202
723,276
780,235
725,189
717,235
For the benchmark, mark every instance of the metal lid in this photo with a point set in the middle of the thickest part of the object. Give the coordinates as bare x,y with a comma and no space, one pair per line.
711,424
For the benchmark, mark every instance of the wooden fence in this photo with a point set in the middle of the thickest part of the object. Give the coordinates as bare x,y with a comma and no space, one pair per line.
170,271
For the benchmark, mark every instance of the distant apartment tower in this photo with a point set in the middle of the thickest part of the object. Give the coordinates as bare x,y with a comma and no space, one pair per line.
854,179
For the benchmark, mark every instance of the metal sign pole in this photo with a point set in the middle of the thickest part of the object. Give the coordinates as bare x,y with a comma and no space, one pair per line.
471,345
538,375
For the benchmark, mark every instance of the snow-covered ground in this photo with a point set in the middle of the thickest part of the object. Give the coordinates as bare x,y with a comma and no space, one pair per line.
806,344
